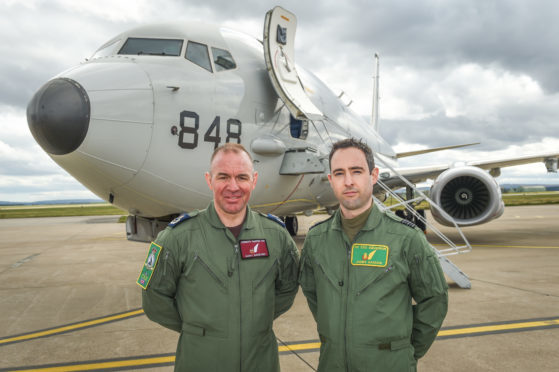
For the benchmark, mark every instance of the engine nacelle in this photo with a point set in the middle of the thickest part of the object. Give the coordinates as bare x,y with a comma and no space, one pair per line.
469,195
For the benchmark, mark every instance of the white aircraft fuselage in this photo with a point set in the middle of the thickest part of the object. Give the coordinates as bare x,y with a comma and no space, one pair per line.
142,127
138,122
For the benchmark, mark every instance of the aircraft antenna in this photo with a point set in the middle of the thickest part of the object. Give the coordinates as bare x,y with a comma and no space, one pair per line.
374,118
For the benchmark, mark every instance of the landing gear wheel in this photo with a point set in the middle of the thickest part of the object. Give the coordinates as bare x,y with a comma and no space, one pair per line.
420,223
402,213
292,225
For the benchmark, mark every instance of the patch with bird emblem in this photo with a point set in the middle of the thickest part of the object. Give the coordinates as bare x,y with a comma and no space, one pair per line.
369,255
256,248
149,265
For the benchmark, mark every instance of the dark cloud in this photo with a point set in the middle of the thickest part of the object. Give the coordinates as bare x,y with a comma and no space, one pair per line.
427,39
513,124
428,34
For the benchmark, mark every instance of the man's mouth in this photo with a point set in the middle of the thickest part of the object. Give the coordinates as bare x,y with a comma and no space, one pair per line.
350,192
233,199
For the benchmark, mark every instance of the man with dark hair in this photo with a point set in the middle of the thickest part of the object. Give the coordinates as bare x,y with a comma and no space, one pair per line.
361,269
222,275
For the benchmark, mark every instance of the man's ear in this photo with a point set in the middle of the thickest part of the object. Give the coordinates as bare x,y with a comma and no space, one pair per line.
374,174
209,179
255,178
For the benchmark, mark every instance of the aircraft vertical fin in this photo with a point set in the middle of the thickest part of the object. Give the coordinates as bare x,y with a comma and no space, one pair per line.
374,117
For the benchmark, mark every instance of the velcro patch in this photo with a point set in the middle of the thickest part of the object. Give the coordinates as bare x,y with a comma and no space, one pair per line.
369,255
149,265
254,248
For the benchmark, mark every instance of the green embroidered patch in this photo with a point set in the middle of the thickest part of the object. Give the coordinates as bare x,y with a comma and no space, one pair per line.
149,265
369,255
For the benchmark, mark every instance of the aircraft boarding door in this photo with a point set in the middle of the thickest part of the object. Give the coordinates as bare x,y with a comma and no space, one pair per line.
279,39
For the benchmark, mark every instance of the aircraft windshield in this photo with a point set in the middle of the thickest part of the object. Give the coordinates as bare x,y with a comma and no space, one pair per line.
152,47
105,50
198,54
223,60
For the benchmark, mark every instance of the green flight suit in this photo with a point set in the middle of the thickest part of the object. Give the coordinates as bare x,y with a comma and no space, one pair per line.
222,304
360,293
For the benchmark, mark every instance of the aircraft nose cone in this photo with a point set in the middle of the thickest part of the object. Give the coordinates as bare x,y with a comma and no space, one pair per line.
58,116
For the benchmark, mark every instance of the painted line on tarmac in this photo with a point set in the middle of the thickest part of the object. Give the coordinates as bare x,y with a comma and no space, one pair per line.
121,364
504,246
296,347
498,327
70,327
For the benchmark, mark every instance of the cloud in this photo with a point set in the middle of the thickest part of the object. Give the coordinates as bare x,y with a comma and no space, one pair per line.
451,72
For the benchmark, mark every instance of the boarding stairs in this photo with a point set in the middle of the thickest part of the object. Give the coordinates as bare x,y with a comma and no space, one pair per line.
415,197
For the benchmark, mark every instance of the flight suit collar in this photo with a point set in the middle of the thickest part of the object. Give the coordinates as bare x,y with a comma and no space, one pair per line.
213,217
372,222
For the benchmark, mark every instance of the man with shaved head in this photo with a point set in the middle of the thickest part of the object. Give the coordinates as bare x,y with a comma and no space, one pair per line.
223,274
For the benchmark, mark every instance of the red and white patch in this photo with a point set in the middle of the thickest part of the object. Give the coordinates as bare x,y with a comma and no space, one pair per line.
254,248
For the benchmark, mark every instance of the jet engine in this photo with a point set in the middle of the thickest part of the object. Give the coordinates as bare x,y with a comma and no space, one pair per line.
469,195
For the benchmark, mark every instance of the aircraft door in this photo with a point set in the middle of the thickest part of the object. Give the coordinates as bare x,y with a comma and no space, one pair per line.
279,53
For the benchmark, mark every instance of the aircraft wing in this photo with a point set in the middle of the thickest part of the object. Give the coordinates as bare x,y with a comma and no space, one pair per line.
419,174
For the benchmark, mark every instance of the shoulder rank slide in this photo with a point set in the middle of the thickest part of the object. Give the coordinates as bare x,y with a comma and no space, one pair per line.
275,219
149,265
320,222
183,217
408,223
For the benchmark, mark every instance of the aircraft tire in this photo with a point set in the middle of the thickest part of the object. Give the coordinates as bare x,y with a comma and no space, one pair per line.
420,223
292,225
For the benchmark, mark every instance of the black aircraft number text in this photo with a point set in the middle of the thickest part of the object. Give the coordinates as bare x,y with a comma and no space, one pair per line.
190,123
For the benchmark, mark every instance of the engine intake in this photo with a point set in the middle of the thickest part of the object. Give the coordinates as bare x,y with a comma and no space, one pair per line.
469,195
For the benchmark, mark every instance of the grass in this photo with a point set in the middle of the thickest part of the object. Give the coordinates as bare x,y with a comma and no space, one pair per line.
516,199
531,198
102,209
60,211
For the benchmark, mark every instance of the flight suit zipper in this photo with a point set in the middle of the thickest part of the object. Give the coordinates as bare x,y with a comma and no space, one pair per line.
165,264
386,271
346,292
348,266
340,283
209,270
240,307
276,263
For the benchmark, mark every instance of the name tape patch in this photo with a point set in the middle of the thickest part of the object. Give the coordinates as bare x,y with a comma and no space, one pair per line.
369,255
254,248
149,265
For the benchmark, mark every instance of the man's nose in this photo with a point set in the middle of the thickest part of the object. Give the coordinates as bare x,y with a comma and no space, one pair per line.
348,179
233,184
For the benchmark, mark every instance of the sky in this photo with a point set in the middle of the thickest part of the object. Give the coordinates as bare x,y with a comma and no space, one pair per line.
451,72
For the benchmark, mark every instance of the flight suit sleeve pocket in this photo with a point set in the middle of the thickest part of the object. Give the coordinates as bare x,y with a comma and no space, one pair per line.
436,275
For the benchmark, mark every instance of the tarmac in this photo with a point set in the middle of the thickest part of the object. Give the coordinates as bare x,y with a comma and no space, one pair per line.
69,301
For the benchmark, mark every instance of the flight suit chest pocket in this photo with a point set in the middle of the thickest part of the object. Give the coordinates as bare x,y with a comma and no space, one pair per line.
263,297
203,298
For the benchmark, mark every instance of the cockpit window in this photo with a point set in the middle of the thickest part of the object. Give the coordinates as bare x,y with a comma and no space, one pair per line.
151,47
105,50
223,60
198,54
